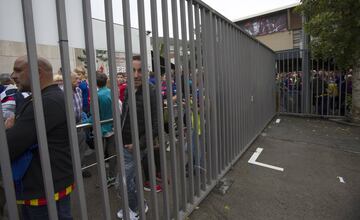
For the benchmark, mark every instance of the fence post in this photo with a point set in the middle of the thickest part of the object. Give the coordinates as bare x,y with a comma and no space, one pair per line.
306,72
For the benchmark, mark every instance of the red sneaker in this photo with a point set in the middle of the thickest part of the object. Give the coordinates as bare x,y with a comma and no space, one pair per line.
148,188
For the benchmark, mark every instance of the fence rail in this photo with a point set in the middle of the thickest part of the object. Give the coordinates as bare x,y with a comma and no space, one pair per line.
225,96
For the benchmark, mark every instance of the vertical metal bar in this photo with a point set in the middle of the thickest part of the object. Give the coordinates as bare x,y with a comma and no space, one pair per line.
340,92
288,81
186,73
179,99
238,93
217,79
322,87
346,93
224,92
242,90
241,93
235,93
230,65
305,85
250,89
279,80
90,56
293,82
227,108
199,44
213,95
335,90
305,82
194,99
232,102
229,94
245,90
147,108
206,46
132,106
300,87
221,94
159,105
327,90
311,87
283,82
317,87
7,177
70,116
115,109
170,108
38,107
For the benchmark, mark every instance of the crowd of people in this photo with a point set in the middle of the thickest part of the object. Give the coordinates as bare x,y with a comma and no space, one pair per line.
18,114
330,91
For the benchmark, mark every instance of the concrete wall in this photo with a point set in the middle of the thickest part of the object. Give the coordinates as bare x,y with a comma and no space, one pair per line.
10,50
278,41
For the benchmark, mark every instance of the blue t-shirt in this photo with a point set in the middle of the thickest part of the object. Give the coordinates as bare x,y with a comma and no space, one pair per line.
83,85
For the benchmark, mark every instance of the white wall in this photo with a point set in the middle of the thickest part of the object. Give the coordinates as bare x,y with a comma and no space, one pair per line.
44,11
45,22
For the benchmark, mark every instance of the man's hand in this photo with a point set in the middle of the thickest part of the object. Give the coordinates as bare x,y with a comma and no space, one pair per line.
129,146
9,123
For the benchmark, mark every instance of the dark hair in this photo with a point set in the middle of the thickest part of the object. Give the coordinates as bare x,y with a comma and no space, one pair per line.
136,57
101,79
5,79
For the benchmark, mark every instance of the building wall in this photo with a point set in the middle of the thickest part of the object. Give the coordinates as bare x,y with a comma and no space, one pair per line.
278,41
10,50
12,35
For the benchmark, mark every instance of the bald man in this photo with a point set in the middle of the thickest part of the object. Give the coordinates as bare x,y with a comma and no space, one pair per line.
22,140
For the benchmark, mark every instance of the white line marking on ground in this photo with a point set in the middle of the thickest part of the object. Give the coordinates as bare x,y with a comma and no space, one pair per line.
256,154
341,179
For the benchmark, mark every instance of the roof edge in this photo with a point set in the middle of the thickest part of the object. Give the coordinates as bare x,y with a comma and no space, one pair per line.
267,12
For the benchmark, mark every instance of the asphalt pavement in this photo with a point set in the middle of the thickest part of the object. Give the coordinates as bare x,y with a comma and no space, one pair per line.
320,177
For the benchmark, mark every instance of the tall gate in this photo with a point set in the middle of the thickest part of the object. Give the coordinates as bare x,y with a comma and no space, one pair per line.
225,97
308,86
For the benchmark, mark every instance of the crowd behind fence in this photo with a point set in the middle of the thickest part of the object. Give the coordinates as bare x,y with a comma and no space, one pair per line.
329,91
192,122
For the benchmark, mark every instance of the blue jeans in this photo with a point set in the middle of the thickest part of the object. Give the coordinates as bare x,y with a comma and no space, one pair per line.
41,212
130,172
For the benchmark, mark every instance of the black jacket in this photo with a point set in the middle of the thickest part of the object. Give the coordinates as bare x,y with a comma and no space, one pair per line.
23,135
126,132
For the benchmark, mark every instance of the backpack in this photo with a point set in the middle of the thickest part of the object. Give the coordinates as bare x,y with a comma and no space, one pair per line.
20,165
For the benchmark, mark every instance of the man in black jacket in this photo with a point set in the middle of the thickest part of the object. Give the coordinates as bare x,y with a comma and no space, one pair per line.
130,163
21,135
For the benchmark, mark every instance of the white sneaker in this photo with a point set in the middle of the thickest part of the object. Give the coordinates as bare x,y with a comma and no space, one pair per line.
88,152
133,215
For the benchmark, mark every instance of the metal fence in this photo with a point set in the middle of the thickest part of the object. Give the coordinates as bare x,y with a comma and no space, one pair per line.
232,96
307,86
